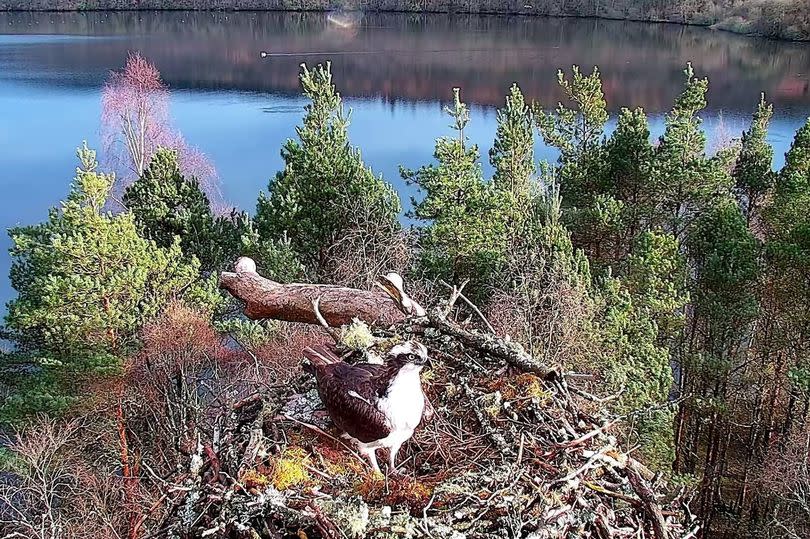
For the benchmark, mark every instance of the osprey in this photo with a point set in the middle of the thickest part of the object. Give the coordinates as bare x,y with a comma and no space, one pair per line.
376,406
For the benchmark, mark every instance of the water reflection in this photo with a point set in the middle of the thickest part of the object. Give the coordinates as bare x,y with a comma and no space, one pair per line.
401,57
394,70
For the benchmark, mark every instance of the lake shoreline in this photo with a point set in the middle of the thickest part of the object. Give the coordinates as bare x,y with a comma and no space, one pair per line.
728,23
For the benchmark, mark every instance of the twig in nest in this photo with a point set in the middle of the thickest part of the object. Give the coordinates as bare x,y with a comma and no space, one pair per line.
612,493
316,303
651,508
589,435
590,463
325,526
593,398
494,346
458,294
325,434
494,436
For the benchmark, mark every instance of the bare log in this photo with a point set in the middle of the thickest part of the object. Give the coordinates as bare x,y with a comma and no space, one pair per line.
384,306
293,302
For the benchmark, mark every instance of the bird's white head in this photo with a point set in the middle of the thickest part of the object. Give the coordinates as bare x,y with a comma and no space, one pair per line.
409,352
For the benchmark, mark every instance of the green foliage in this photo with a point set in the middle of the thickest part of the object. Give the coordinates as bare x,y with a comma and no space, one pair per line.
466,235
237,234
605,183
725,261
632,360
85,279
656,277
44,385
685,179
576,132
791,197
166,205
325,190
752,174
10,463
512,154
626,178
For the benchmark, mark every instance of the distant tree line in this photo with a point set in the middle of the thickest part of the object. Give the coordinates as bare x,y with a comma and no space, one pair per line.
785,19
676,277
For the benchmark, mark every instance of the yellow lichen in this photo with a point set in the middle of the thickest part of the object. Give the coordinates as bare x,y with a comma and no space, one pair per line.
290,469
492,404
522,386
357,335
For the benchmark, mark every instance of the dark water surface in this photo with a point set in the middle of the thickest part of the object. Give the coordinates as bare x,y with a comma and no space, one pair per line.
396,72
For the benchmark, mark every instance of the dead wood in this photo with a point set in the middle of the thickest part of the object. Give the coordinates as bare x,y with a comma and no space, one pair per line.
293,302
647,496
330,305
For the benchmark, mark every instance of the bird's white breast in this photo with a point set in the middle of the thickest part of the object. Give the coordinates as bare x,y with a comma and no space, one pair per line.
405,402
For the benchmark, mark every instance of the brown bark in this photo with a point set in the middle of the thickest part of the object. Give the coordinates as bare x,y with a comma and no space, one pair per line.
293,302
647,496
339,305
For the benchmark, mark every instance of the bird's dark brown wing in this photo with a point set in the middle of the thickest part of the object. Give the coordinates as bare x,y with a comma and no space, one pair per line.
350,393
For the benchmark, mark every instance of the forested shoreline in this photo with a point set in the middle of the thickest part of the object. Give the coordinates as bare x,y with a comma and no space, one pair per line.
639,304
781,19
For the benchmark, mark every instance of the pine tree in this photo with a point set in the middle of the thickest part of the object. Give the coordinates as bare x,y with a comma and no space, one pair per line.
636,367
656,277
512,154
466,235
167,206
686,180
576,132
724,257
86,281
753,175
626,178
325,189
791,195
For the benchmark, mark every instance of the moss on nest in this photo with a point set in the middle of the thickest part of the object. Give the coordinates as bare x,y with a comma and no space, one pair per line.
290,469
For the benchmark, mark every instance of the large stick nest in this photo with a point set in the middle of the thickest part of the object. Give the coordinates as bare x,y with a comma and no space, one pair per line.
509,448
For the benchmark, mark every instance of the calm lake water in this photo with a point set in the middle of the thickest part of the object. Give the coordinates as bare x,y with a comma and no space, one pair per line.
395,71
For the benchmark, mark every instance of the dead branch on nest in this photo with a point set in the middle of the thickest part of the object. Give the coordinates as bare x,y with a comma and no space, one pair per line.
339,305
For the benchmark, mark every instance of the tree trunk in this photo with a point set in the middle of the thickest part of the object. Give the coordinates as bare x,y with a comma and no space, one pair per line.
294,302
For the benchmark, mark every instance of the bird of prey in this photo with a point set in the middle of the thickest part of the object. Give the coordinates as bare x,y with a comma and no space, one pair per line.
376,406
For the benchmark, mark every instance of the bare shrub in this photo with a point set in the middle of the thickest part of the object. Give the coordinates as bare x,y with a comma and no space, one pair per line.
369,248
57,487
173,383
35,498
135,122
279,358
786,477
544,312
